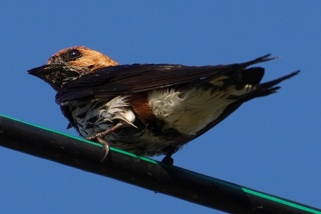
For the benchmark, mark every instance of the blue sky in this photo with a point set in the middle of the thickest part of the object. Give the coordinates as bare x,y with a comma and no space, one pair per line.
271,144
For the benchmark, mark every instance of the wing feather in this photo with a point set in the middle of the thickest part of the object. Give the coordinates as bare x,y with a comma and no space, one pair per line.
128,79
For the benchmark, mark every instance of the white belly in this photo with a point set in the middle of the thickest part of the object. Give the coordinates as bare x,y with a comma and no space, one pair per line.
192,110
96,117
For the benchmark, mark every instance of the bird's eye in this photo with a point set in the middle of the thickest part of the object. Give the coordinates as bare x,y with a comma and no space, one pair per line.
73,54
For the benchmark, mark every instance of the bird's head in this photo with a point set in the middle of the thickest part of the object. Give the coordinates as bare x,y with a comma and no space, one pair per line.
69,64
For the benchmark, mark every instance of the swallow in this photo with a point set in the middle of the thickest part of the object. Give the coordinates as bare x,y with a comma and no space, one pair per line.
149,109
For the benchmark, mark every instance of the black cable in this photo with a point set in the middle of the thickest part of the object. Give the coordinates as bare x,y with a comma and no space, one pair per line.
142,172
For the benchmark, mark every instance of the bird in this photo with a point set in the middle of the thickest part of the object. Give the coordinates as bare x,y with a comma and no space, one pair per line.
149,109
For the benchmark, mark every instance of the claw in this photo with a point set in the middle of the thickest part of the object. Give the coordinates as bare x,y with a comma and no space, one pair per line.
100,138
105,147
102,142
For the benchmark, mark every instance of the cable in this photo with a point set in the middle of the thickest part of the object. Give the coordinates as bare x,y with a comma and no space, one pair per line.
141,171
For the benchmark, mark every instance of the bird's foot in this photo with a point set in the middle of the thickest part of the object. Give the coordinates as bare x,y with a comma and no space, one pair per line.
104,133
103,142
168,160
105,147
99,137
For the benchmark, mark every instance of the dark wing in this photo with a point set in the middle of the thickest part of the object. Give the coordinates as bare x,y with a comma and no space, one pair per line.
128,79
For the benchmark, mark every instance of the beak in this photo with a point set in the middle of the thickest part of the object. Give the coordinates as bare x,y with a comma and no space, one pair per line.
40,72
54,74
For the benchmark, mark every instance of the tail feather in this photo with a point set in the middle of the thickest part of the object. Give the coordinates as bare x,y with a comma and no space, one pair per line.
261,59
267,88
269,84
240,73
